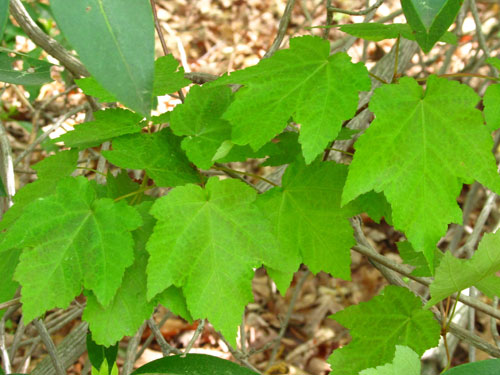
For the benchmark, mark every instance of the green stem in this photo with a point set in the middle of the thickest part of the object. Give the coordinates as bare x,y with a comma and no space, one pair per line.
380,79
341,151
92,170
141,190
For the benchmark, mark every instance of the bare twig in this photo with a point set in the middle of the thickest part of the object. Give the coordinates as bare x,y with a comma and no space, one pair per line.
166,348
46,134
358,12
49,345
128,366
197,333
150,338
12,302
6,173
3,349
283,25
51,46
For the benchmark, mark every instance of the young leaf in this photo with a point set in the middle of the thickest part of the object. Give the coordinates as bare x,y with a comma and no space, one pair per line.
308,221
208,241
418,151
34,72
107,125
302,82
491,101
393,318
71,238
169,77
116,44
406,361
50,171
454,275
159,154
430,19
193,364
200,119
485,367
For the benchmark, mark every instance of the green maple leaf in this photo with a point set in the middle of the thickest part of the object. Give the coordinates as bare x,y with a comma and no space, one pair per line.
199,118
208,241
50,170
158,153
395,317
8,286
68,239
406,361
130,303
419,150
491,101
169,77
304,82
107,125
454,275
308,221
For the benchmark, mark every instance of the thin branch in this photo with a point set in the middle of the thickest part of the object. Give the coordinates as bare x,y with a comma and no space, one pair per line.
128,366
283,26
49,345
286,321
356,13
166,348
46,134
150,338
51,46
3,349
12,302
197,333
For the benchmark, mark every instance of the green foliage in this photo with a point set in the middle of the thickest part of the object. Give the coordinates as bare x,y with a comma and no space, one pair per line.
204,241
8,287
33,72
4,15
159,154
454,274
429,20
99,354
193,364
406,361
300,82
486,367
108,124
397,308
491,101
116,44
93,251
418,151
169,77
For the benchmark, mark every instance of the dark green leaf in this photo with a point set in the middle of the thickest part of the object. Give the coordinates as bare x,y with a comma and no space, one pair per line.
115,41
97,353
192,364
430,19
92,87
486,367
32,71
3,192
4,15
8,265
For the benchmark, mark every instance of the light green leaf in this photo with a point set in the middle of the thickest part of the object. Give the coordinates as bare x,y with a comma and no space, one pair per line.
491,101
199,118
92,87
158,153
107,125
33,72
68,239
50,171
115,41
173,299
192,364
418,151
395,317
308,221
417,259
454,274
301,82
208,241
494,62
430,19
406,361
169,77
